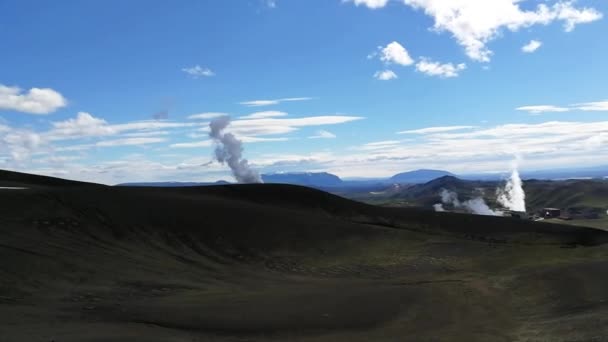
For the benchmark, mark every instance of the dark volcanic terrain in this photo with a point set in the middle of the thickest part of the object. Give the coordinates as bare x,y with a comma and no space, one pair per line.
85,262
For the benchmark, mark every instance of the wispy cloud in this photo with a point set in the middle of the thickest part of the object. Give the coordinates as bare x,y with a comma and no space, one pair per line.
438,129
130,142
85,125
264,115
598,106
274,126
194,144
206,116
323,134
261,103
538,109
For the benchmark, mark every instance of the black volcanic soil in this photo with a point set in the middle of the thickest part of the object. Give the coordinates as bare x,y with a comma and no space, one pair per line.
84,262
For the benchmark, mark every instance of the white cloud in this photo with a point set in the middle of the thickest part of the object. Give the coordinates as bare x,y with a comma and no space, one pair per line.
130,142
146,134
539,109
207,143
83,125
195,144
34,101
197,71
260,103
474,23
274,126
600,106
206,116
436,129
373,4
259,139
86,125
264,115
20,144
476,149
395,53
532,46
445,70
385,75
322,134
271,3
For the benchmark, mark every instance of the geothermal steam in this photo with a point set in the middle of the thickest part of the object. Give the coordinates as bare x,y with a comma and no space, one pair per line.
512,196
229,150
475,206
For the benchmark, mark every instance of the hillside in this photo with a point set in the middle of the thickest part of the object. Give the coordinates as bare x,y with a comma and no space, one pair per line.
270,262
584,200
419,176
315,179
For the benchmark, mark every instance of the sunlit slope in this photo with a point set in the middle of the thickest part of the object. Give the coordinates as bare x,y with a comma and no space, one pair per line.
82,262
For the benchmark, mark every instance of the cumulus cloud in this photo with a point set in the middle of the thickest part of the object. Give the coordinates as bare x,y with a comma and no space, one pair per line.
33,101
532,46
475,23
446,70
395,53
197,71
261,103
84,124
385,75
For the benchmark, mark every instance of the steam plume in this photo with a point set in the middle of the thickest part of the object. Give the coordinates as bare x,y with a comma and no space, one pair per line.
475,206
438,207
229,150
512,196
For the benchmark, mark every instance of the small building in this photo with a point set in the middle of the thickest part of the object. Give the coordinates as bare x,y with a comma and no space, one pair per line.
551,212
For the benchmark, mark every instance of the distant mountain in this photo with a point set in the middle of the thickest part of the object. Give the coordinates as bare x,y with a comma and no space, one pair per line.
312,179
419,176
596,172
173,184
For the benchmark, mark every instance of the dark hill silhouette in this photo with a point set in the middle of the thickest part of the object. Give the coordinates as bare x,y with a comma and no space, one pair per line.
270,262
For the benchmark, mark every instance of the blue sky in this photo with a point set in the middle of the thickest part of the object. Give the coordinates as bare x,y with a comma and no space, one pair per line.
115,91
